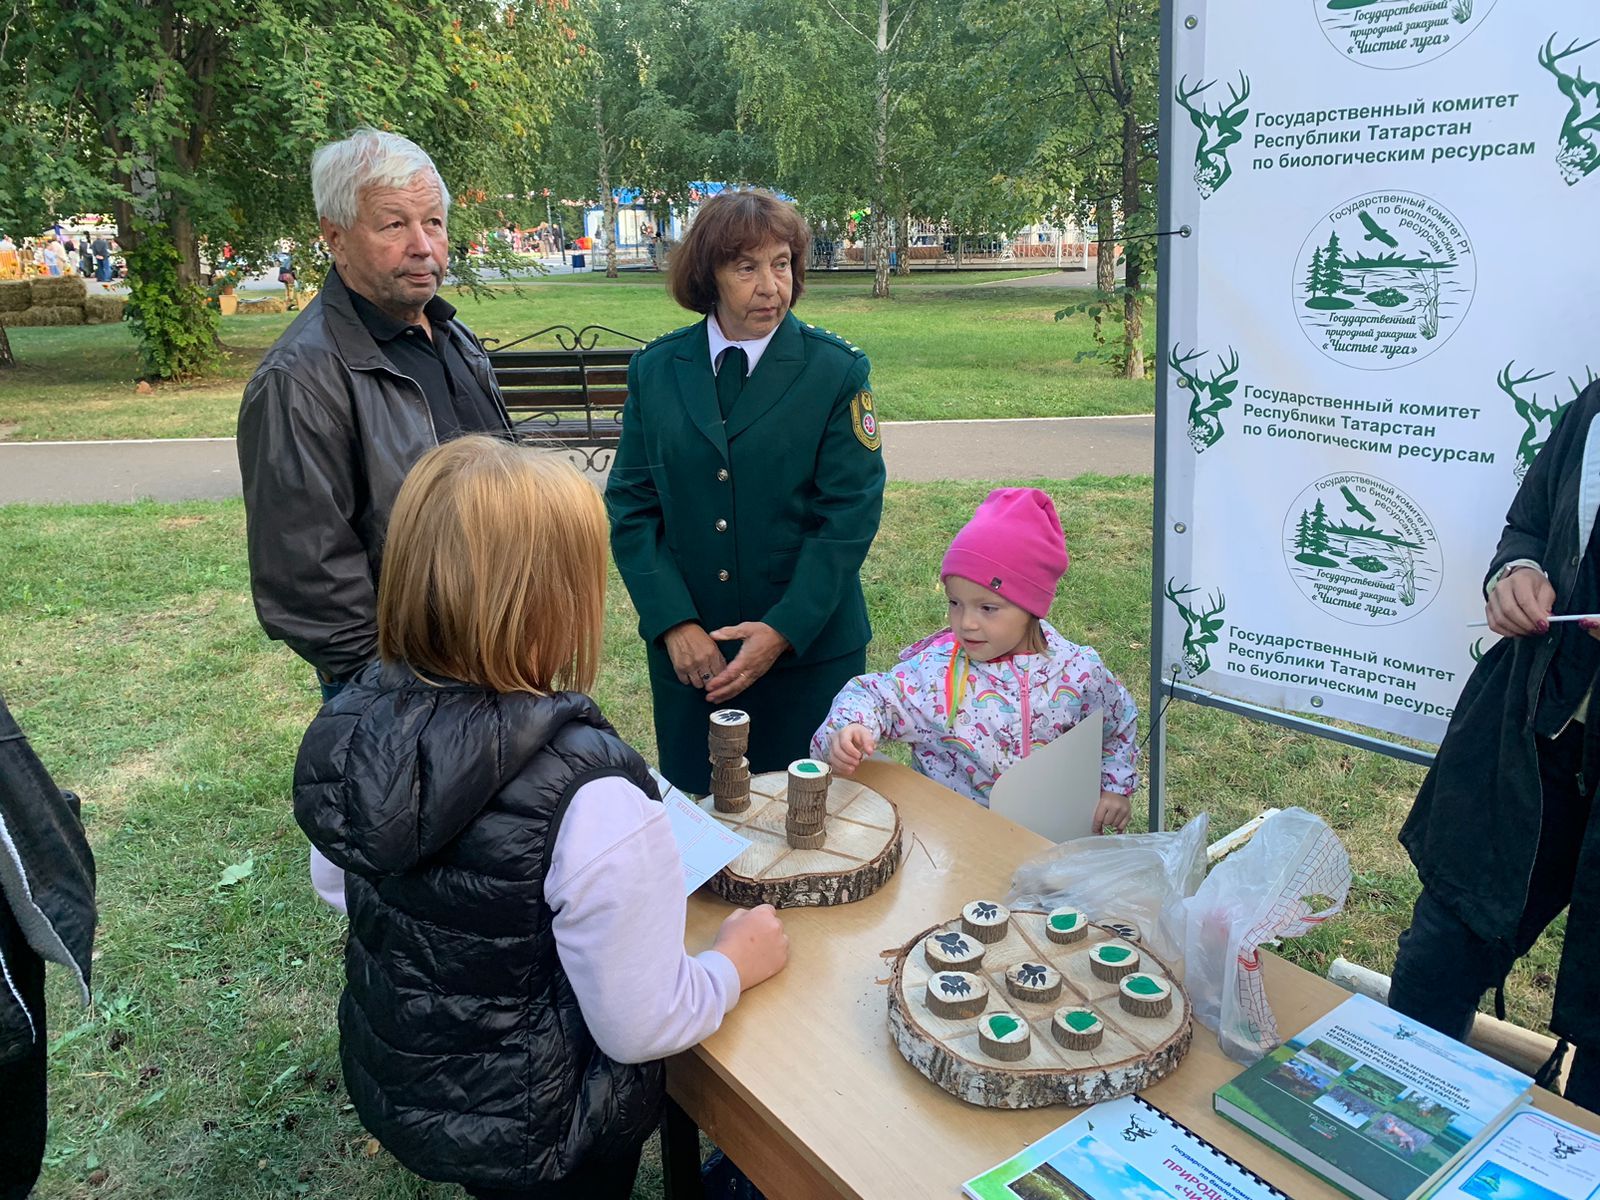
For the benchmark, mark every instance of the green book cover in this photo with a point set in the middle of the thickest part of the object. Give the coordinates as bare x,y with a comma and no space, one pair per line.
1373,1102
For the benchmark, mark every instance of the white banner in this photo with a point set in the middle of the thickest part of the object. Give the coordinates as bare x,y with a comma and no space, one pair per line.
1385,302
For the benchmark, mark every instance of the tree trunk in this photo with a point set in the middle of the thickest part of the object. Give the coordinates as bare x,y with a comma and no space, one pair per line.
957,233
880,160
7,359
1105,267
1132,204
902,244
608,202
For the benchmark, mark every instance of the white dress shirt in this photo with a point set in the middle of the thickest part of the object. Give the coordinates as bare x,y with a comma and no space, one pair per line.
721,341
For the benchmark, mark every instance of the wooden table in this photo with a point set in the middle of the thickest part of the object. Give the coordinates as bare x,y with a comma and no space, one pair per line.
803,1088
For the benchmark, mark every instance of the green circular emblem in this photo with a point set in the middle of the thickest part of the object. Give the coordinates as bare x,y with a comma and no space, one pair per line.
1384,280
1361,550
1391,35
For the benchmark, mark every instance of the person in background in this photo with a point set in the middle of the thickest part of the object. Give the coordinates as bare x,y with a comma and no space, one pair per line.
101,249
286,277
515,971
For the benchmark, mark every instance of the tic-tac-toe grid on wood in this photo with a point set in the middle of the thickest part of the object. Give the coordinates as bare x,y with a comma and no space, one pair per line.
1133,1050
860,854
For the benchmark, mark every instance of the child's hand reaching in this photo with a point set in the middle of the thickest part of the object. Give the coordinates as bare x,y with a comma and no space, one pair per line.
1112,813
849,746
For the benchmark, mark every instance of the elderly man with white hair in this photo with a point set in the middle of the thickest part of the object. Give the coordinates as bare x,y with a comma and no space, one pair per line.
374,373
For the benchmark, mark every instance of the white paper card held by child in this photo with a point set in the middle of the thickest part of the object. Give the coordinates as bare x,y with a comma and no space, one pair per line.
1055,790
704,844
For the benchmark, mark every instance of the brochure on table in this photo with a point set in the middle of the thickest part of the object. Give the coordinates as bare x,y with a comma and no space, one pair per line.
1121,1150
1531,1156
705,844
1374,1102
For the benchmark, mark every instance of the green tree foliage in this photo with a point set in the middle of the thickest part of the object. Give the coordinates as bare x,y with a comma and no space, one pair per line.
193,122
864,103
1066,107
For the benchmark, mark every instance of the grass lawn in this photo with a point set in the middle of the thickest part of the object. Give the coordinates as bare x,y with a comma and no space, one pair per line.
130,653
940,347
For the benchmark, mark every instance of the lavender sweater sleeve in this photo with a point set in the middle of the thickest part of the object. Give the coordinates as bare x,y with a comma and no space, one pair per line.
615,885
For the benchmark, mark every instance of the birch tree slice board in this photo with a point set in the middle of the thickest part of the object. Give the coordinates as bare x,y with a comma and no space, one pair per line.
1134,1051
861,854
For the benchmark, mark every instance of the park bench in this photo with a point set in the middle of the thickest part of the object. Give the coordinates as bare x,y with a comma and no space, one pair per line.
568,395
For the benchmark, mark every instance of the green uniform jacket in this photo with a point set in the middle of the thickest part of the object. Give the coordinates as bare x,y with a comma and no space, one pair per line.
765,519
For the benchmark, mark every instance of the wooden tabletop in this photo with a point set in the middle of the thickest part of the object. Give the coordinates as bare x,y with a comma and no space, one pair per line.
805,1090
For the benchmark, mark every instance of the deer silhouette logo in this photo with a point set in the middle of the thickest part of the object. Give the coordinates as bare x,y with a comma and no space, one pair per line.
1207,397
1540,420
1579,154
1201,628
1218,131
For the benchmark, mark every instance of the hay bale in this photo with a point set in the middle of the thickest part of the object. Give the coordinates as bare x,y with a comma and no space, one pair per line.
15,295
54,290
263,306
103,310
43,314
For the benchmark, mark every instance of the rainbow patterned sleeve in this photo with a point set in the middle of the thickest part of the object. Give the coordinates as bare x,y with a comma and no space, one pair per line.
887,703
1119,741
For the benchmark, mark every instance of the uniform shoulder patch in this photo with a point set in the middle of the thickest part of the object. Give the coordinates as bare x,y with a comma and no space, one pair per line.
864,421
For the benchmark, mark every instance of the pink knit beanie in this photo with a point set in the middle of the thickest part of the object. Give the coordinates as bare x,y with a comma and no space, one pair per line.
1014,546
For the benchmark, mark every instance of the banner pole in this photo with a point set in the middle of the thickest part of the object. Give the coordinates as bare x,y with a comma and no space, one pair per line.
1156,746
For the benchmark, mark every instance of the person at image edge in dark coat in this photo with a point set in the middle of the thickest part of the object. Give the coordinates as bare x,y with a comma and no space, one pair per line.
1501,832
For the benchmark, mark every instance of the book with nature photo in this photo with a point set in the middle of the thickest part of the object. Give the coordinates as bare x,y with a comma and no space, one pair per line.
1123,1149
1375,1103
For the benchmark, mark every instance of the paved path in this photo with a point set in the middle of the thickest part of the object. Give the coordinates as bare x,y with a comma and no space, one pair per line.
207,469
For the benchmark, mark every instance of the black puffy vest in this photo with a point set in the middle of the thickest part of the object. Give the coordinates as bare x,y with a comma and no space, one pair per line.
463,1046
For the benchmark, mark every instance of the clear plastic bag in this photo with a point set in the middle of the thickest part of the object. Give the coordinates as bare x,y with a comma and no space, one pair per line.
1290,877
1138,877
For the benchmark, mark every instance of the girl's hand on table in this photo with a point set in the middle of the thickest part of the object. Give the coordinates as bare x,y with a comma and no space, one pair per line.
849,746
1112,813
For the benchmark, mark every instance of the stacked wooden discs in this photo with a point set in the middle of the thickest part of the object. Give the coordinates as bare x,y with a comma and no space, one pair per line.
808,803
730,769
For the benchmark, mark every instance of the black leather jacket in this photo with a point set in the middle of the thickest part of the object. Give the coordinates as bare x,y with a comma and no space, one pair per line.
327,431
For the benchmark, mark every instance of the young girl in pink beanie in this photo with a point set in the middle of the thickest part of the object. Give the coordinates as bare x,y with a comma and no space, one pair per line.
999,681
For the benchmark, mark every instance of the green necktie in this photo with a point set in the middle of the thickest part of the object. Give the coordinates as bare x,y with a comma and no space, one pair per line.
730,379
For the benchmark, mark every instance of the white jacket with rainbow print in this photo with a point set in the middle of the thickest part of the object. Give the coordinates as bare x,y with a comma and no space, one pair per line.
993,703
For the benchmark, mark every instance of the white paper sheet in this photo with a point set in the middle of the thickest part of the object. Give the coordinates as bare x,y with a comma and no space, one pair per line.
704,844
1054,791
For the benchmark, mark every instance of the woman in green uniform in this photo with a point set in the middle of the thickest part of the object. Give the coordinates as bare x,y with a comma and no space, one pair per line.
744,495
